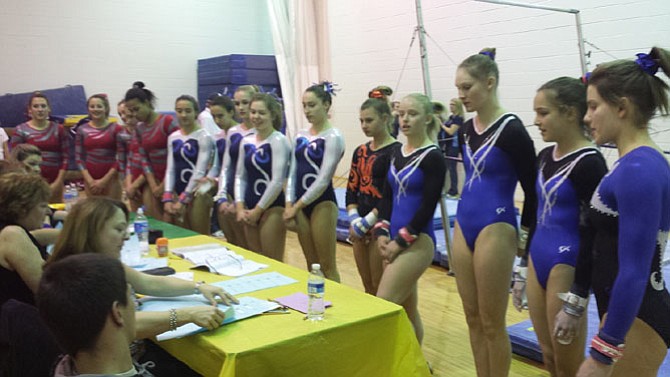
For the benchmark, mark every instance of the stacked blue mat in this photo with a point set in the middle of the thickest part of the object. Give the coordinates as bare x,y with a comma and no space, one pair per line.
524,341
223,74
440,246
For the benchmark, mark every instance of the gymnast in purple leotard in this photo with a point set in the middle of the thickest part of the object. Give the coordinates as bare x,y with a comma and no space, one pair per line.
497,153
569,172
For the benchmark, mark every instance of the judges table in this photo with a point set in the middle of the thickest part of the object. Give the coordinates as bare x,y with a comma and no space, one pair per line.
361,335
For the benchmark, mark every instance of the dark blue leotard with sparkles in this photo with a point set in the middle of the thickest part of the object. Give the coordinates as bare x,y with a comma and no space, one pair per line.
413,188
494,161
564,188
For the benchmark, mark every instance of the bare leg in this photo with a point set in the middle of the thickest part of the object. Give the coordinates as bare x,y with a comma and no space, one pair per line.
273,233
360,246
467,289
324,220
200,213
305,238
494,254
399,280
645,351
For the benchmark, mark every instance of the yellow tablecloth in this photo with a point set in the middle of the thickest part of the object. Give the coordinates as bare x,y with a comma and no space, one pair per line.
361,335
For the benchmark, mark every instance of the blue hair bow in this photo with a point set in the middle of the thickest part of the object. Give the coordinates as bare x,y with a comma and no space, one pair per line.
647,63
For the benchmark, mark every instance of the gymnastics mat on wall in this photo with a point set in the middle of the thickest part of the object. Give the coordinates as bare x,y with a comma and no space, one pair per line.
524,341
67,100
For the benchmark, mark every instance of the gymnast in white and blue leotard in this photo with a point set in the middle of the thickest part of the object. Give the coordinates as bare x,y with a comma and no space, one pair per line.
261,172
310,198
225,197
190,151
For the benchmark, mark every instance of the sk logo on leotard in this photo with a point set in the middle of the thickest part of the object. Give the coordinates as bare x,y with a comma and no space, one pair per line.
500,210
563,249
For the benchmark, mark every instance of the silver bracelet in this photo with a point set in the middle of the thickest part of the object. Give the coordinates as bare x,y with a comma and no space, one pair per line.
196,290
173,319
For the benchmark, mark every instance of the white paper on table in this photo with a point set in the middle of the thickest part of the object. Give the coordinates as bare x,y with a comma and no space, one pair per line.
253,283
218,259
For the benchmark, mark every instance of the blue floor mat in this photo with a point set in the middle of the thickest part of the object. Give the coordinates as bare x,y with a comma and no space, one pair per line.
524,341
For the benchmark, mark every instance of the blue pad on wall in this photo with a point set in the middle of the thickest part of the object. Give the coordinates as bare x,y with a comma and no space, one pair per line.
64,101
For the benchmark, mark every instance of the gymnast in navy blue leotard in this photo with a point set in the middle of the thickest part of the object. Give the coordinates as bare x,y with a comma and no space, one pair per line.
261,172
413,187
310,199
569,172
190,150
630,221
497,153
495,159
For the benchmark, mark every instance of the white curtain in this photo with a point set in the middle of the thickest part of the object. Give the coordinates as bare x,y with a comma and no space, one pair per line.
301,43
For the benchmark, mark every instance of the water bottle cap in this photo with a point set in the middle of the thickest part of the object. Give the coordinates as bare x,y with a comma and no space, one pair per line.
140,211
316,266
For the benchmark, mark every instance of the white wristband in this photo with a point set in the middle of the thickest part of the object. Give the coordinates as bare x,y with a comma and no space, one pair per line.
353,212
371,218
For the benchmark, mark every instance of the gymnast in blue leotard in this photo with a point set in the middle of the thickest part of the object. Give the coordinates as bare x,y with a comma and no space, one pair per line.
310,198
569,172
261,171
629,220
413,187
225,198
497,153
190,150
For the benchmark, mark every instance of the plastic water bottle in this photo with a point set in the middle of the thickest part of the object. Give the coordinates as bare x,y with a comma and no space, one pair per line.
142,231
68,197
315,290
75,193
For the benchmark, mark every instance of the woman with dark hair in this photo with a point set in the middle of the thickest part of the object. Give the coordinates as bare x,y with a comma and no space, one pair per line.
621,261
29,156
23,206
225,198
153,130
97,144
190,151
569,172
261,171
497,153
369,167
50,137
405,237
99,225
310,197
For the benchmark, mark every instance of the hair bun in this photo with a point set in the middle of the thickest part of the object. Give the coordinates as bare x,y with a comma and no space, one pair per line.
138,84
489,51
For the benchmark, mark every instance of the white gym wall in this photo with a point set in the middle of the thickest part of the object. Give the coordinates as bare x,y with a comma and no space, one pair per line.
107,45
370,39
